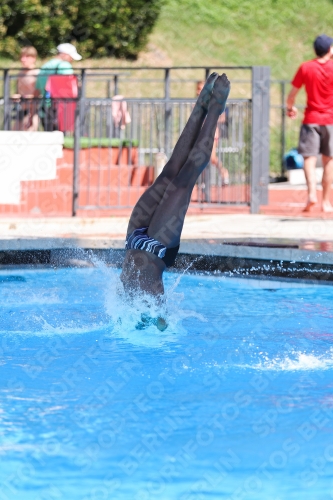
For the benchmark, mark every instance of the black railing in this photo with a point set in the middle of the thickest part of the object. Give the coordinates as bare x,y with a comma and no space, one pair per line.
238,174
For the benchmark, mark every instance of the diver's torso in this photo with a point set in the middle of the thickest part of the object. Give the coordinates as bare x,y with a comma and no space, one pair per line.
142,271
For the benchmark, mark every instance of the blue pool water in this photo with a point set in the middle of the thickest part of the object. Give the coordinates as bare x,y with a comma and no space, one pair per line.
234,400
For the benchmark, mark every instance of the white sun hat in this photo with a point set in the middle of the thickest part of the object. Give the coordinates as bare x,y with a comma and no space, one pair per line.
69,49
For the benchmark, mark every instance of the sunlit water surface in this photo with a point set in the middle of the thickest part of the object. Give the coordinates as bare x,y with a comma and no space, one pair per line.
234,400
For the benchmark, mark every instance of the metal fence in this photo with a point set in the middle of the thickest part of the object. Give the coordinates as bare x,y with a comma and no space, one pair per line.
176,83
144,146
284,132
112,166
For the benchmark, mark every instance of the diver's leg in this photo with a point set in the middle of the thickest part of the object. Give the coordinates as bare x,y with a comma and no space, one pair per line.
191,130
167,222
148,202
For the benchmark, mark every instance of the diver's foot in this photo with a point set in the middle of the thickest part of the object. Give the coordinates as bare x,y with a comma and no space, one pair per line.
220,93
161,324
326,207
310,206
147,320
205,94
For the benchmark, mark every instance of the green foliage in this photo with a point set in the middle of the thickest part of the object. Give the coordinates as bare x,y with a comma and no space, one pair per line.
98,27
99,142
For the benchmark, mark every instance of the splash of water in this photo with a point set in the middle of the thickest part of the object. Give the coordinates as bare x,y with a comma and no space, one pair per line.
66,328
297,361
125,315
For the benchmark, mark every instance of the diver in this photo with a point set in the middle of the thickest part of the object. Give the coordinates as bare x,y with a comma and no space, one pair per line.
156,223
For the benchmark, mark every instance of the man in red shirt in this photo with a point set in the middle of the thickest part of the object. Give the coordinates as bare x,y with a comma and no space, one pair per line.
316,136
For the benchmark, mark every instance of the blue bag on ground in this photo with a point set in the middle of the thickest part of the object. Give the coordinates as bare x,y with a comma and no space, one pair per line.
292,159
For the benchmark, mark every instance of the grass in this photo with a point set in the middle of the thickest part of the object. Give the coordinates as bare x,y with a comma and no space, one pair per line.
277,33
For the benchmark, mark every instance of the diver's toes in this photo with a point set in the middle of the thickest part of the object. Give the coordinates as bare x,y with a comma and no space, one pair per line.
224,80
212,79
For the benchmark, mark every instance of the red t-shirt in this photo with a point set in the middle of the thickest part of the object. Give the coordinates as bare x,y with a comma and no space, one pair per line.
318,81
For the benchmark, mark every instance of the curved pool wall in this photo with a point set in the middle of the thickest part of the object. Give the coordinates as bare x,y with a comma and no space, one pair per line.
279,258
232,401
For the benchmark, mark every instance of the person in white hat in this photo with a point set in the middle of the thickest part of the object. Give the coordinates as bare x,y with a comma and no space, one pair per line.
60,65
68,52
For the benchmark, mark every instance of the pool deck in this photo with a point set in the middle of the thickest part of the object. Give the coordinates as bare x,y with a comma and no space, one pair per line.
266,237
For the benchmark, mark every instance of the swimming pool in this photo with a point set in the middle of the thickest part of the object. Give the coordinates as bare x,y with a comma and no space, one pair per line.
234,400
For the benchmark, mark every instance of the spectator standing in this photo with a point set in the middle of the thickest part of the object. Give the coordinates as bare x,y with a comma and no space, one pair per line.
120,115
26,115
316,135
61,65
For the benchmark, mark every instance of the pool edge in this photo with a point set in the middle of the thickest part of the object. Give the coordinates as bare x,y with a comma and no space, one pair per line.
216,260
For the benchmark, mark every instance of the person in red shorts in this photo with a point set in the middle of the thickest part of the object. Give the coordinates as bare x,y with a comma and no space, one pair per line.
316,135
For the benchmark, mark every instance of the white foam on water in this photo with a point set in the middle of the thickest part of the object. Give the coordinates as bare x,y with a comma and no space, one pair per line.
28,297
126,315
297,361
69,328
63,329
123,316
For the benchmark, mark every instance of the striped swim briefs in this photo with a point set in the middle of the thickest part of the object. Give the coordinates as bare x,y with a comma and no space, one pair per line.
139,240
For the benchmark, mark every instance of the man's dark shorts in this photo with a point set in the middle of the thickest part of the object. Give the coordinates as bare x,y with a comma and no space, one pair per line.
315,140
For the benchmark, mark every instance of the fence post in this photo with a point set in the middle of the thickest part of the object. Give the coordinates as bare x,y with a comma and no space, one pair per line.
115,85
167,117
6,100
283,124
82,99
79,112
260,137
76,166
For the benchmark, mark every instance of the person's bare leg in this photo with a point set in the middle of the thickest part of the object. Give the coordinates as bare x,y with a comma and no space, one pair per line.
167,222
310,176
148,202
34,123
224,172
327,183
